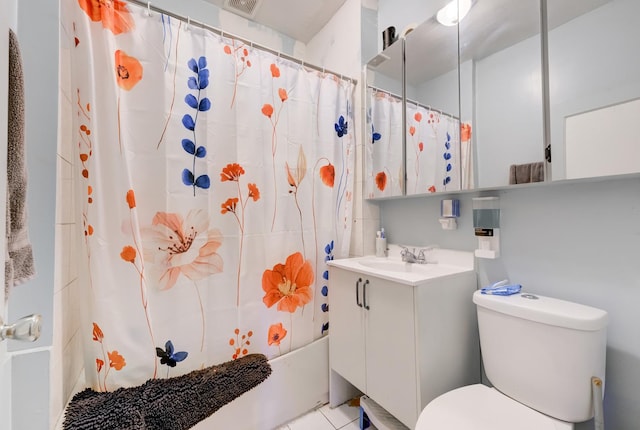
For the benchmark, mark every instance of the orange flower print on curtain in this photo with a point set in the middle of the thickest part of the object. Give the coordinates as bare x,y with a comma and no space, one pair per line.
241,62
465,132
276,334
183,247
128,73
381,180
328,175
115,359
418,146
268,111
240,344
174,237
294,178
113,14
288,284
85,147
128,70
232,173
129,254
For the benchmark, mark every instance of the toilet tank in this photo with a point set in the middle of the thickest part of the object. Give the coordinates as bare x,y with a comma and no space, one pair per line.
542,351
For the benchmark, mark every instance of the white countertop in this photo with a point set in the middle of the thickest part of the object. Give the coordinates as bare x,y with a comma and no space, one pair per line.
443,262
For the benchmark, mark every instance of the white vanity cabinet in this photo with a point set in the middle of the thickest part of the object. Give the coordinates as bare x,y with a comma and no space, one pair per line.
402,343
372,344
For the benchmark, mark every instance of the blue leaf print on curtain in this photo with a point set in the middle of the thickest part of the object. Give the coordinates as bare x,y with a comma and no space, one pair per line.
199,83
374,136
447,157
341,126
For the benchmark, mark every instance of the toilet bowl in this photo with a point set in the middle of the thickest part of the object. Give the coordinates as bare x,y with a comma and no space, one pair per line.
540,354
478,407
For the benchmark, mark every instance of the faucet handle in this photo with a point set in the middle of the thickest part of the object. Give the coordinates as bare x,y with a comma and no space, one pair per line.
422,256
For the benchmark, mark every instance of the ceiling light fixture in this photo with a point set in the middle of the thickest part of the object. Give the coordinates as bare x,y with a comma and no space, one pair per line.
453,12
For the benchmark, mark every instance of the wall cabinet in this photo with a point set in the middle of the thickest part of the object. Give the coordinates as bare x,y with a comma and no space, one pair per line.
403,345
506,83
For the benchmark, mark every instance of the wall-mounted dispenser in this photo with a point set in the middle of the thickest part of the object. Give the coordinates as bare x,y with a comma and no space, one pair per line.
486,222
449,212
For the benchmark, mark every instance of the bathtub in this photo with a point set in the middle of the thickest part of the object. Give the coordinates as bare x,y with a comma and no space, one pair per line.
299,383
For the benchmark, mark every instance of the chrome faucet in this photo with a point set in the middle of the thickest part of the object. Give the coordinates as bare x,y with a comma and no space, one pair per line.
411,257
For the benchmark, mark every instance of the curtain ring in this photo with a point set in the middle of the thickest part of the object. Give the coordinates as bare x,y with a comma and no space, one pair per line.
148,8
188,22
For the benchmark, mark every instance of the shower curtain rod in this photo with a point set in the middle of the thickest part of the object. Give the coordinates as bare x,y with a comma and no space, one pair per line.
223,33
380,90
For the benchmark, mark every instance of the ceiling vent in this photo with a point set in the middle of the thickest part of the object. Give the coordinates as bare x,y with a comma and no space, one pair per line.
246,8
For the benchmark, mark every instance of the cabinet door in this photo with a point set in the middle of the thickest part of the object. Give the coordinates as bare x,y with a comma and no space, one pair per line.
346,341
390,348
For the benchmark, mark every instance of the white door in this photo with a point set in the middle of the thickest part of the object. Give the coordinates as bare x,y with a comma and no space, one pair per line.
391,348
16,411
346,342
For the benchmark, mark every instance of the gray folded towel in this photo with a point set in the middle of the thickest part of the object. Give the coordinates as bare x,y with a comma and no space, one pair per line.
19,265
526,173
177,403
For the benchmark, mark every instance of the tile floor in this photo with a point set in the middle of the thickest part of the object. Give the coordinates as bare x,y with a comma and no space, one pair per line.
343,417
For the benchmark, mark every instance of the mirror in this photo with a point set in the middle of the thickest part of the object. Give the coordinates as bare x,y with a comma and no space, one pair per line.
434,162
494,90
501,91
384,148
594,87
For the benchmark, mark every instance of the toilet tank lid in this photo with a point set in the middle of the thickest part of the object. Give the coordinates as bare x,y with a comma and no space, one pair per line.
545,310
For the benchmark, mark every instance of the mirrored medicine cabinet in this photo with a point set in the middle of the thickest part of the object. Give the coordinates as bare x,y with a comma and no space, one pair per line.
536,89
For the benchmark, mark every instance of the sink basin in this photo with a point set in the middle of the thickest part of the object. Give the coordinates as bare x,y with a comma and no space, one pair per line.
393,265
392,268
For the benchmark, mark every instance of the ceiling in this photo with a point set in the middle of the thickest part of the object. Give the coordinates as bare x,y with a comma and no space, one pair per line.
298,19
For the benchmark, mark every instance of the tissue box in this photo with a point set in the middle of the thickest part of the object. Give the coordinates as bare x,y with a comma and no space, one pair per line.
450,208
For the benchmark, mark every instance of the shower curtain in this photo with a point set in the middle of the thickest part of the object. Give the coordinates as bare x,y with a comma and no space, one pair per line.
433,150
215,181
432,155
383,146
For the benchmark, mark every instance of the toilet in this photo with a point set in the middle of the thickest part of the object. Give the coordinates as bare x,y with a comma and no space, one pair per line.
540,354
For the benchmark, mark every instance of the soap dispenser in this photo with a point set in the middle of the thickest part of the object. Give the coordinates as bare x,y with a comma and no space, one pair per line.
486,223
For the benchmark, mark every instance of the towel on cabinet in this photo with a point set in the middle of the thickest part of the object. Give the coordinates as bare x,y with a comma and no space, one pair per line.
526,173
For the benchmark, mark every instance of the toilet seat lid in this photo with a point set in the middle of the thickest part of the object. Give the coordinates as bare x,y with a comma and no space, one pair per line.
478,407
